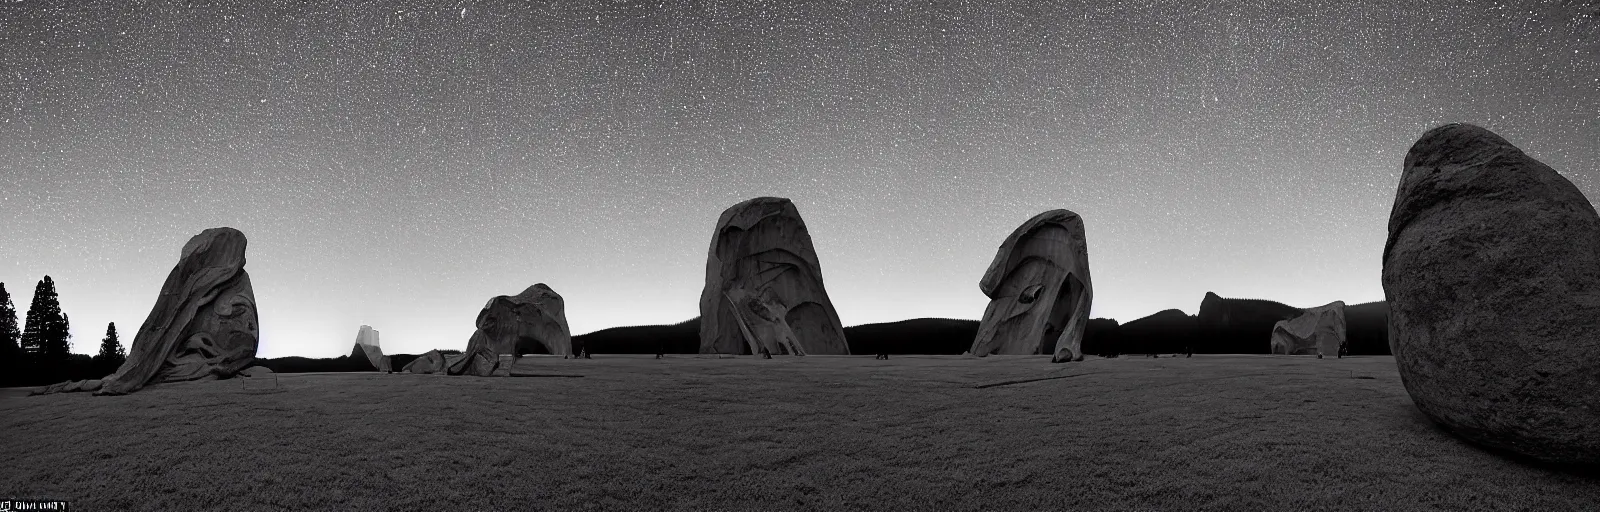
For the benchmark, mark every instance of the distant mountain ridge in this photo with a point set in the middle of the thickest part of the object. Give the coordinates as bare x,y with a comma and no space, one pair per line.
1223,326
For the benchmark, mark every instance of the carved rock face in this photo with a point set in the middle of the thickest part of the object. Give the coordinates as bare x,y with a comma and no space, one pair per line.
764,286
1492,272
1039,290
761,322
532,321
1318,331
203,325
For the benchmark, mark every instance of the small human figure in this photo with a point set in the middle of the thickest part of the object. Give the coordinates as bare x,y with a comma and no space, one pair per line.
586,354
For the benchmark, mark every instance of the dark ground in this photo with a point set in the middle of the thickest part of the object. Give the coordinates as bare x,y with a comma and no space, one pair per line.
818,432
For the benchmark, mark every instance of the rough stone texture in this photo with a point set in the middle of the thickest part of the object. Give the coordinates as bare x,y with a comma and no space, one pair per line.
1039,290
203,325
534,321
1492,272
764,286
503,365
1238,326
431,362
1318,331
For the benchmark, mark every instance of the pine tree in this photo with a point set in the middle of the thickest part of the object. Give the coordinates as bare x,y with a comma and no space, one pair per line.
111,353
30,344
10,336
46,337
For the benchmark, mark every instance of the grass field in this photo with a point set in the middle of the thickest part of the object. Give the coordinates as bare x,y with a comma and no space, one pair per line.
819,432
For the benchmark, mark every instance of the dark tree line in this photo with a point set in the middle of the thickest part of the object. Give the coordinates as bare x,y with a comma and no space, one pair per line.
40,352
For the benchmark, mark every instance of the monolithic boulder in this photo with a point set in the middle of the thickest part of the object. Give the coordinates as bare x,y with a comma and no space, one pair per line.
1492,272
1039,290
1318,331
534,321
764,286
203,325
367,349
431,362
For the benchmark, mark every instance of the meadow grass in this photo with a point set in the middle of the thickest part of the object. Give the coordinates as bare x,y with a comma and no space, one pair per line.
820,432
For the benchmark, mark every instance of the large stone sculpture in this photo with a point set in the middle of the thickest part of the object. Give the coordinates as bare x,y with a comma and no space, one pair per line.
534,321
1039,290
203,325
1492,272
764,286
1319,331
367,349
431,362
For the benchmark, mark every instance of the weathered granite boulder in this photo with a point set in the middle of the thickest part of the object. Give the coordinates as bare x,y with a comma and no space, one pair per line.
534,321
203,325
1492,272
764,286
1039,290
1319,331
431,362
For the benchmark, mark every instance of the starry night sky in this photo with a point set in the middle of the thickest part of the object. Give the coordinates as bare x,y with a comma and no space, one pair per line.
398,163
